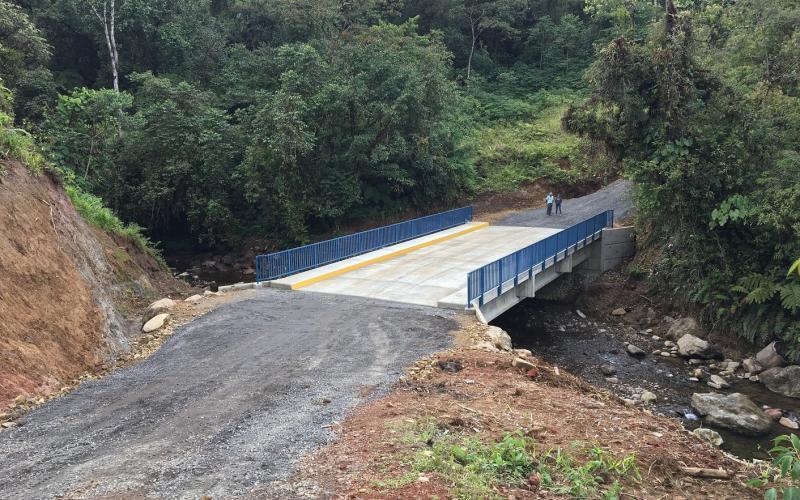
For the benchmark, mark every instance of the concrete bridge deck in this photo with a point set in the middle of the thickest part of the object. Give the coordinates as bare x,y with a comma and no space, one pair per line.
426,271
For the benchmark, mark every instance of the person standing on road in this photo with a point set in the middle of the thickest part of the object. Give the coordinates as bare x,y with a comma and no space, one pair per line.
549,200
558,203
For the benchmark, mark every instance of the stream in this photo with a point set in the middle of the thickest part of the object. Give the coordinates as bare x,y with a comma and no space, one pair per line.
555,333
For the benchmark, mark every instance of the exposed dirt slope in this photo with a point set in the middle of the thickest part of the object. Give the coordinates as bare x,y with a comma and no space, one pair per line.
65,288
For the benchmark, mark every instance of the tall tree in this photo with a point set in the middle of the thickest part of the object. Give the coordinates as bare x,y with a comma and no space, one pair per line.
106,12
481,16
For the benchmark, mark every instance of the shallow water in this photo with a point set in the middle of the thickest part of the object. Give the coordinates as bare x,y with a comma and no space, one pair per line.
555,333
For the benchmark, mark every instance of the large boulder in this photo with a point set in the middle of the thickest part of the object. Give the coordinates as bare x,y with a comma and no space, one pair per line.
156,308
769,357
691,346
684,326
784,381
732,411
499,338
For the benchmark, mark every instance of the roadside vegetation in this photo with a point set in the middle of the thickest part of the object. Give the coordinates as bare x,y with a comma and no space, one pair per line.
476,466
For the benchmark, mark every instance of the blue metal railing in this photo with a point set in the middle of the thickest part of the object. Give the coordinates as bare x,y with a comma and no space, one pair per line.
492,276
287,262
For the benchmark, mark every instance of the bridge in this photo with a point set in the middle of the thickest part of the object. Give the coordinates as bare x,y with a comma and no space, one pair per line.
447,260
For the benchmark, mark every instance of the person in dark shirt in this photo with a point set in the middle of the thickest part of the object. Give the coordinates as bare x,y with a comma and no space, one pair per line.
558,203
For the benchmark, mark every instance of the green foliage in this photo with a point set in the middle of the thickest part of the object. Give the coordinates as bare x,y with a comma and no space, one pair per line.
24,54
715,164
16,143
784,475
600,476
476,469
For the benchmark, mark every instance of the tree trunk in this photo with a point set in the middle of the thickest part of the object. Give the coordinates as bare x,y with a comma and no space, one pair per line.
471,49
108,20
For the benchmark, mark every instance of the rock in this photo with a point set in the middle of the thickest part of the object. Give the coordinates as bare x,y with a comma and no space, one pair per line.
732,366
774,413
668,319
648,397
580,314
698,372
523,353
651,315
620,311
709,435
612,380
768,357
717,382
666,354
635,351
628,402
788,423
752,366
184,275
732,411
694,379
691,346
156,308
523,364
669,343
754,378
499,338
683,326
695,361
486,346
8,425
608,370
655,337
194,299
156,323
784,381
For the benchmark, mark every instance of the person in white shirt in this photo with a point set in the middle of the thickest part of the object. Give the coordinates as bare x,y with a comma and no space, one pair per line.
549,200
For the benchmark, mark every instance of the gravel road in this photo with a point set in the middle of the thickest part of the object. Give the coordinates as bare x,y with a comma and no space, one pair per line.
615,196
229,403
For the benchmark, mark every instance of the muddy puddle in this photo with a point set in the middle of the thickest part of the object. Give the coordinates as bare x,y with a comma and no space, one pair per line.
555,333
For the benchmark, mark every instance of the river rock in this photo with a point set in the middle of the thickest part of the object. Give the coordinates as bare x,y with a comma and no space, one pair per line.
784,381
698,372
717,382
155,323
499,338
691,346
194,299
156,308
769,357
620,311
684,326
523,353
732,411
709,435
608,370
774,413
788,423
648,397
752,366
635,351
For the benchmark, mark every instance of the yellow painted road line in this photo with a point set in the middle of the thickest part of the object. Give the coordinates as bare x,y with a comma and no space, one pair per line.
391,255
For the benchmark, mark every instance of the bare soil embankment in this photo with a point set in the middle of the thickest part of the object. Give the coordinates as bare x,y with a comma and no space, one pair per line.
69,293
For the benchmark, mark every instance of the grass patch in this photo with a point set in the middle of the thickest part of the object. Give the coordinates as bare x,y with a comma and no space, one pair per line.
476,467
18,143
93,211
524,142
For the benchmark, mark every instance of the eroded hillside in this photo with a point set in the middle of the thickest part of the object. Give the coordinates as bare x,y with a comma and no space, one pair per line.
68,292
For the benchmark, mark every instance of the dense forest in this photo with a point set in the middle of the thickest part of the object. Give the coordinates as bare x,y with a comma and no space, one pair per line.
215,121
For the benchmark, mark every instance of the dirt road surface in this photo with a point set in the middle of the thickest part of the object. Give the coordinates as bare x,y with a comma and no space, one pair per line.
229,403
615,196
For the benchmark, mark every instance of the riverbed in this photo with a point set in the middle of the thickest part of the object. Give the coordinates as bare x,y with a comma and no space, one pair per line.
557,334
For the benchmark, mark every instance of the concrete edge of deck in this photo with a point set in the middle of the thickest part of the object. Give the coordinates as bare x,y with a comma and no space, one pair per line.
312,276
